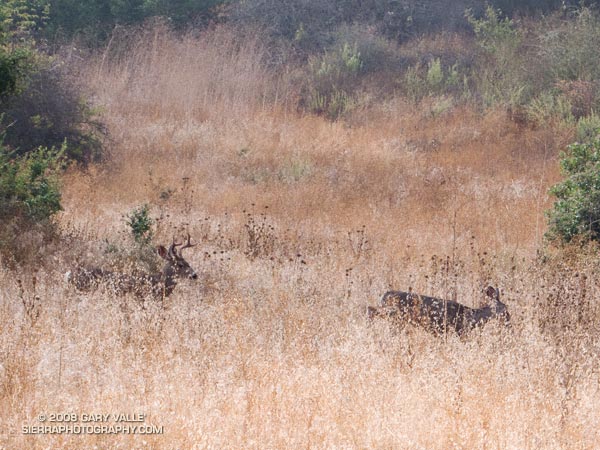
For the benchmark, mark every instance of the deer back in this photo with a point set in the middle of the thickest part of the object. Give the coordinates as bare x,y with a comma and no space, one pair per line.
438,315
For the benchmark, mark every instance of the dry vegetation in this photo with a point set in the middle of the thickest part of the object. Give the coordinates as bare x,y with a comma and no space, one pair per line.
302,223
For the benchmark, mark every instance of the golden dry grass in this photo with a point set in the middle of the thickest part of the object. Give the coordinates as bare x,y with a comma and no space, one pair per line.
301,224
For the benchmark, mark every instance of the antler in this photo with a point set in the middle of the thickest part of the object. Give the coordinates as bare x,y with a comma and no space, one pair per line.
188,244
173,248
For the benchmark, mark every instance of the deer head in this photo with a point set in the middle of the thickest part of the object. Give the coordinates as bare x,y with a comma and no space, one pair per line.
498,308
158,284
176,266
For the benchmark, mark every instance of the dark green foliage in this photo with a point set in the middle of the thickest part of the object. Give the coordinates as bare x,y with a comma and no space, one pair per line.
20,20
576,212
140,224
545,69
39,105
49,110
182,12
11,68
511,7
310,24
29,165
94,20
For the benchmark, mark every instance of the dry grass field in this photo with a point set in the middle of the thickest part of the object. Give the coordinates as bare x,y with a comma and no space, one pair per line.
301,223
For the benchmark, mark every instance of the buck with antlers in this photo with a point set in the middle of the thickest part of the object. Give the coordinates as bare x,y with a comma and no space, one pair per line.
438,315
160,284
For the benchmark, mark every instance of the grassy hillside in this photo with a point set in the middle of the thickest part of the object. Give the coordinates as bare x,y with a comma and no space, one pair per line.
302,223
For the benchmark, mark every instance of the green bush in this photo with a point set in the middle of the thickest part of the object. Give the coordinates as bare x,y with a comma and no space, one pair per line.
576,212
29,188
499,75
19,20
49,110
311,24
140,225
420,82
588,128
13,66
40,105
94,20
563,54
549,106
496,36
568,49
376,52
332,80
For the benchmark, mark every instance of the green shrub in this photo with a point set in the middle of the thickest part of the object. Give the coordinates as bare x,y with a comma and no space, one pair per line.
568,49
48,111
29,197
140,225
435,74
576,212
563,55
94,20
29,188
420,82
13,66
496,36
376,52
18,21
499,75
548,106
40,105
332,80
588,128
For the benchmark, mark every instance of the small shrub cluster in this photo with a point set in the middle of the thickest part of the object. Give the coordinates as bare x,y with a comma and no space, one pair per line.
142,255
48,111
29,194
29,186
588,128
93,20
498,72
39,104
576,213
434,79
140,225
332,81
542,68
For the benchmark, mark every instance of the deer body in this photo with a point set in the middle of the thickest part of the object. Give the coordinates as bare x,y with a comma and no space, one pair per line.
159,284
438,315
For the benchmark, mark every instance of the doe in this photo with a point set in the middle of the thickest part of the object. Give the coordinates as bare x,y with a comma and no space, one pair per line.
438,315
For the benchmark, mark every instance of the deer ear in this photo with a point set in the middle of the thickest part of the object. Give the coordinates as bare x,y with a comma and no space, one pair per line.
162,252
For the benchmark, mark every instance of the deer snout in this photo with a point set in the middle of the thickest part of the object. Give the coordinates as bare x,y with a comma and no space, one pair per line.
194,276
